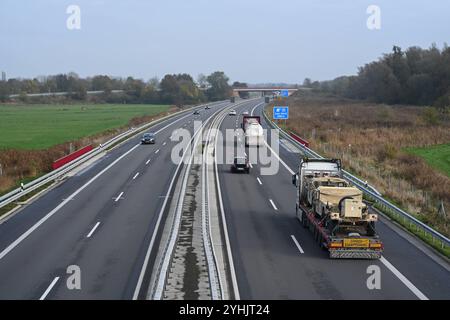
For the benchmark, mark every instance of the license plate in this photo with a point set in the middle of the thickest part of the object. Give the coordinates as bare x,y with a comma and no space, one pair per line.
356,243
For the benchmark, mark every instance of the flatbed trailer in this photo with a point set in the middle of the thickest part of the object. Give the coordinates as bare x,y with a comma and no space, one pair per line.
334,211
340,247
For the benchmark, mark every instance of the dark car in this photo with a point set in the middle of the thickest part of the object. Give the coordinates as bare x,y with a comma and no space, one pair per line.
207,107
240,164
196,112
148,138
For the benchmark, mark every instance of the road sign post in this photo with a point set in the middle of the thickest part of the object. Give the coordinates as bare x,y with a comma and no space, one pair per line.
281,113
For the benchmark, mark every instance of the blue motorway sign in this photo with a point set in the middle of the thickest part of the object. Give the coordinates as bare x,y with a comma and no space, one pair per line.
280,112
284,93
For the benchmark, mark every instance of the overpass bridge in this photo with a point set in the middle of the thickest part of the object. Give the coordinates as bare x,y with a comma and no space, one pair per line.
264,91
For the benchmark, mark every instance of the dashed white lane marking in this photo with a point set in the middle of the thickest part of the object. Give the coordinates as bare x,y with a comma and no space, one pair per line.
62,204
50,287
164,143
388,265
259,180
93,230
118,198
148,161
273,205
297,244
157,151
136,175
251,166
278,157
403,279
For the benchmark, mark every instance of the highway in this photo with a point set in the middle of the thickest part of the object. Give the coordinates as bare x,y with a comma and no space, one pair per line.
275,258
101,220
104,218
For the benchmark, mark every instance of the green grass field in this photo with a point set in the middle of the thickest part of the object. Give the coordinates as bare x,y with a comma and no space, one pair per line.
436,156
42,126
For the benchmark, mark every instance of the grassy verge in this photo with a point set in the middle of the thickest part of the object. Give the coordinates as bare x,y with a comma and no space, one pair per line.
418,232
60,122
437,156
27,196
34,127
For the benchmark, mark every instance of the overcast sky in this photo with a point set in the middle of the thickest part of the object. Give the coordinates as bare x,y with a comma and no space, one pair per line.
251,40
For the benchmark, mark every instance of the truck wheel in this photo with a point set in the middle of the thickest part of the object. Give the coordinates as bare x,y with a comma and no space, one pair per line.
316,235
304,220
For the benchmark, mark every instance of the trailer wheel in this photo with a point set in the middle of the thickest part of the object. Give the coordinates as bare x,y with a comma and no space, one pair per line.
321,242
304,220
316,235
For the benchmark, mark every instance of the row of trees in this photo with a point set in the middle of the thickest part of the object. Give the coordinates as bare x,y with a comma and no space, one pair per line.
416,76
173,88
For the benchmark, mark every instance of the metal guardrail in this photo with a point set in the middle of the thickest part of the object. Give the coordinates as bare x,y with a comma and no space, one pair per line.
373,194
54,175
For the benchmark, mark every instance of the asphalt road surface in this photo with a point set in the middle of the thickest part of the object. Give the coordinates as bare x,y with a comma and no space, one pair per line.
100,220
276,258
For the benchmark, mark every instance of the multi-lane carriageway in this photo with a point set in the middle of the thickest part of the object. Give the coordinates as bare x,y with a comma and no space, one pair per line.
105,218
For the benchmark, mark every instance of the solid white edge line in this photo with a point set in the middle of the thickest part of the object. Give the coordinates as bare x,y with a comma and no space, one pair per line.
152,240
256,107
297,244
62,204
403,279
224,225
259,180
388,265
93,230
50,287
135,176
273,205
278,157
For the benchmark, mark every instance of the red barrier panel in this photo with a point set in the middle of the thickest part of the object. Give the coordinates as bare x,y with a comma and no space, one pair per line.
62,161
299,139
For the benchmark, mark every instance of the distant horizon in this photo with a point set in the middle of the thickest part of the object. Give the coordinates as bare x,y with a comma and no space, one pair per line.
231,80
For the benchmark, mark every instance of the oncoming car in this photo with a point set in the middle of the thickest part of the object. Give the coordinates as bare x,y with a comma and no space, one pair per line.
148,138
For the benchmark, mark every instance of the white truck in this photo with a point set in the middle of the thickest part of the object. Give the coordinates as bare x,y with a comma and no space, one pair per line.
254,133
